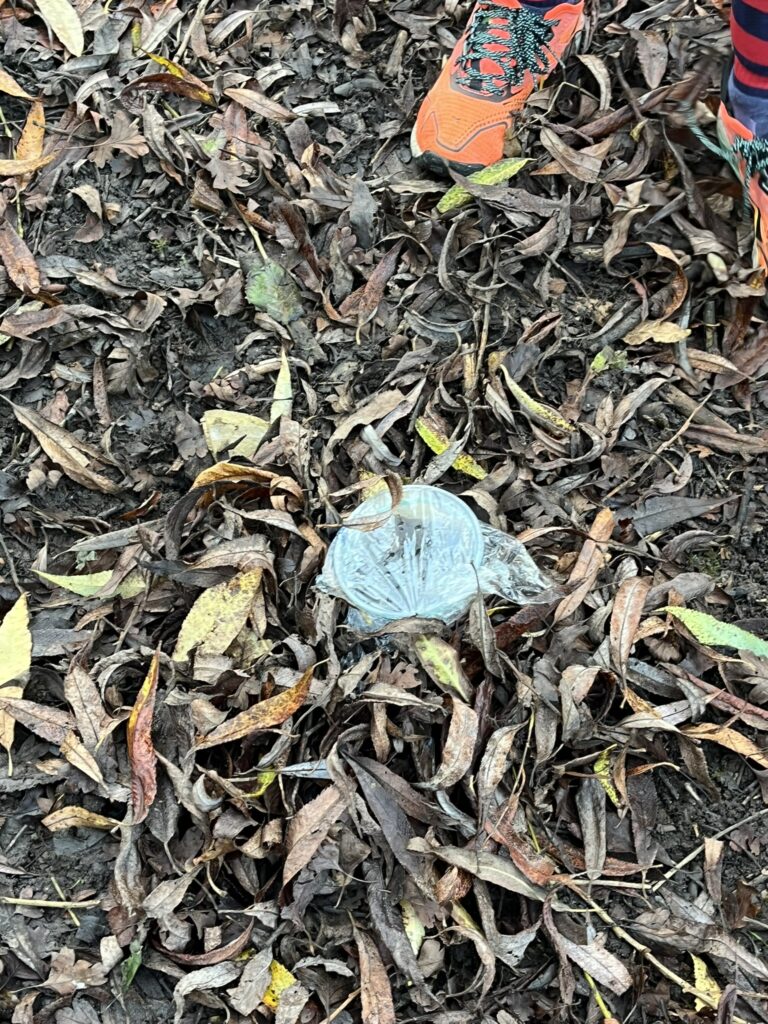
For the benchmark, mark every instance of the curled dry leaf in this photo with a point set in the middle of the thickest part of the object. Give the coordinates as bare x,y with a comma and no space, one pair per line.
459,747
308,828
141,749
589,563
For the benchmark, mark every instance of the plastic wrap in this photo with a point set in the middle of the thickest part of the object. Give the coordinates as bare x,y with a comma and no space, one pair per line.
427,559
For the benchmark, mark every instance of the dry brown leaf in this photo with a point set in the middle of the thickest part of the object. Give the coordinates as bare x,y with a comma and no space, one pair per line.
589,563
459,747
77,817
64,21
18,260
308,828
15,661
625,618
13,168
375,991
30,145
263,715
141,750
729,738
66,450
260,104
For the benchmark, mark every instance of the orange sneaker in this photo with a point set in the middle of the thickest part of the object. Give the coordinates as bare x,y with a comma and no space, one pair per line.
748,156
505,53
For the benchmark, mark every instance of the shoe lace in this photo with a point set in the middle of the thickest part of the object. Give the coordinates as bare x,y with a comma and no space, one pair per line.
754,153
524,33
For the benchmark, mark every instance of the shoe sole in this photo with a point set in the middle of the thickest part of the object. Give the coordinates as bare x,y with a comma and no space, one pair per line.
438,164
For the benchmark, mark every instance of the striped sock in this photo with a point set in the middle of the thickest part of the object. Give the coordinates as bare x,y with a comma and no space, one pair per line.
748,86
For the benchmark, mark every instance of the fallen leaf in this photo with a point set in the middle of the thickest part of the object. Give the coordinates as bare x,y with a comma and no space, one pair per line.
267,713
19,262
705,983
282,399
281,979
729,738
77,817
709,630
459,747
30,145
260,104
68,975
270,288
439,443
308,828
237,433
66,450
663,332
589,563
218,615
15,661
11,87
540,413
63,20
203,980
441,662
50,724
89,584
625,618
496,174
13,168
141,750
491,867
375,991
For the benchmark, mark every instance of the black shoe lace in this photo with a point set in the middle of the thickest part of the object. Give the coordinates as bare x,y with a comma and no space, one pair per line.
524,34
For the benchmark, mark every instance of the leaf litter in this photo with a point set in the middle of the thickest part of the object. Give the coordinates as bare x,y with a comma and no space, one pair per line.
232,309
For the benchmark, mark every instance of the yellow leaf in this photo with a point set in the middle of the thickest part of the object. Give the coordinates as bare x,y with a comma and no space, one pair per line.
282,400
663,332
63,20
11,87
78,817
543,414
413,926
90,584
238,433
15,661
441,662
218,615
705,983
178,71
263,781
438,443
603,773
281,980
267,713
496,174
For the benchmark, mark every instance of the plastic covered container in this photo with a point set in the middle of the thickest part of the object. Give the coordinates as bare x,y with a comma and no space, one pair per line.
427,559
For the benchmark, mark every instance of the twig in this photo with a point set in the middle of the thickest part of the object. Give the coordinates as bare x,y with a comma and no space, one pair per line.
700,849
17,901
72,915
662,448
645,952
339,1009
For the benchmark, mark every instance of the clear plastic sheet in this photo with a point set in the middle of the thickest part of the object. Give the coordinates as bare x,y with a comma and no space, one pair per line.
427,559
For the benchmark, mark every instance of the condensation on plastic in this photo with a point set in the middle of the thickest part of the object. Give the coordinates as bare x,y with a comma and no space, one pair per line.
427,559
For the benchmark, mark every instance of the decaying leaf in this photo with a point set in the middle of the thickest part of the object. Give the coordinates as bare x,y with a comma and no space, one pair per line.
141,750
89,584
439,443
19,262
263,715
282,400
237,433
271,289
309,828
218,615
459,747
77,817
442,664
375,991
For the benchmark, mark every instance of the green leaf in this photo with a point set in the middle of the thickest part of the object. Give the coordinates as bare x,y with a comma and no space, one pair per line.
91,583
496,174
130,966
709,630
270,288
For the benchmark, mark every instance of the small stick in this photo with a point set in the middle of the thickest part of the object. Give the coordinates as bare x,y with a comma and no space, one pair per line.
17,901
72,915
